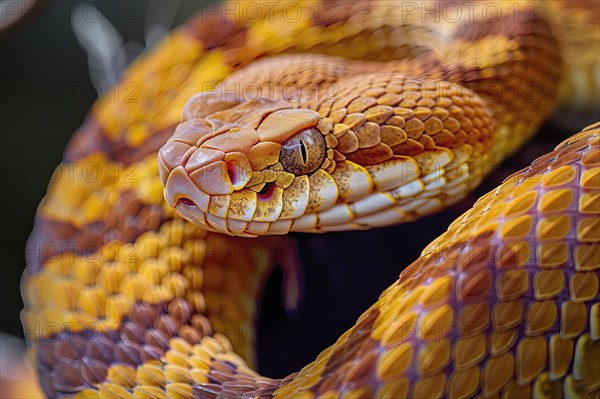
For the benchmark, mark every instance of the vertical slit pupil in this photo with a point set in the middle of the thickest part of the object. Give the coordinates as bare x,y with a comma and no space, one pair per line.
303,150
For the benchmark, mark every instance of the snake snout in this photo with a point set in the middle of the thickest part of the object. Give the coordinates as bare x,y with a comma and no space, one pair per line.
225,174
192,171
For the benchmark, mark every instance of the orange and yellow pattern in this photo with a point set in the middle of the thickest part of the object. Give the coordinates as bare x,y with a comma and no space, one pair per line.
124,298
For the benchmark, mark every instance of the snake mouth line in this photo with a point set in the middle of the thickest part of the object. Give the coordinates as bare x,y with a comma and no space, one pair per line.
264,195
216,216
319,202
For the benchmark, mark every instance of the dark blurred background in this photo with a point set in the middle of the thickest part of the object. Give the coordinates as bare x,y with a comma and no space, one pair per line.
45,92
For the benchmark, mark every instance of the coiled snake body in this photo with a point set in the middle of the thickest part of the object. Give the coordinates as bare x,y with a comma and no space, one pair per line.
124,298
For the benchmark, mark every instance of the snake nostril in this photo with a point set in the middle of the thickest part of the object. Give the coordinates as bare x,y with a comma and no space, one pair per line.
186,201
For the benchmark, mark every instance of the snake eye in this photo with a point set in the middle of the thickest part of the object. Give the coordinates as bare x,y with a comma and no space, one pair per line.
303,153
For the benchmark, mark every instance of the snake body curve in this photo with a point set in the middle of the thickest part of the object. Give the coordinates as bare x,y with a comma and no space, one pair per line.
126,299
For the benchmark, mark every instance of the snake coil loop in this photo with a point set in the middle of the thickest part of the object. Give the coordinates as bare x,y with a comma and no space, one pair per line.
504,304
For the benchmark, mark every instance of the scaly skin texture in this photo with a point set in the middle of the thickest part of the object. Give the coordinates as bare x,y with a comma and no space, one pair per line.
505,303
123,298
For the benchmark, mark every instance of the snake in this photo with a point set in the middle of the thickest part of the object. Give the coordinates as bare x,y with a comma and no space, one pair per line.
174,199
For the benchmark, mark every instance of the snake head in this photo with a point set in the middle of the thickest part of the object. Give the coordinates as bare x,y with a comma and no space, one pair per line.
247,168
266,167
